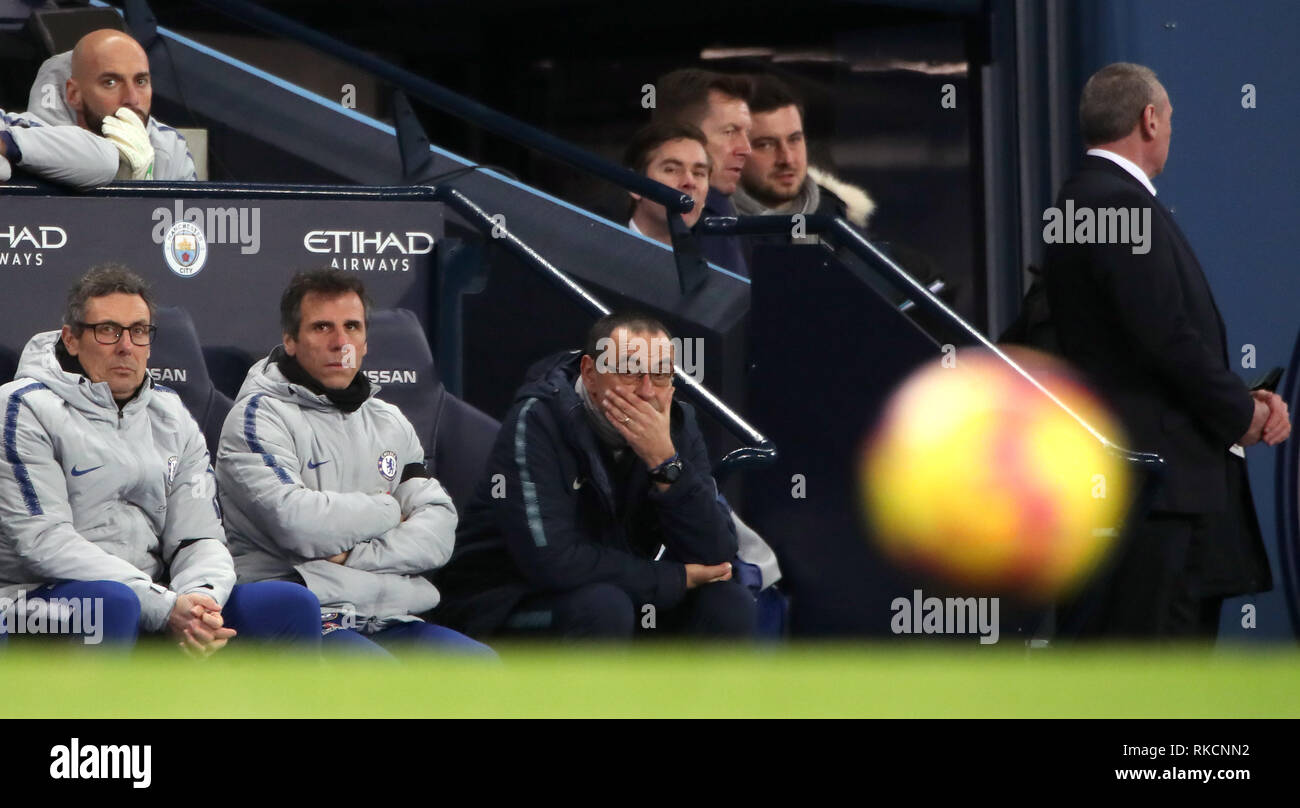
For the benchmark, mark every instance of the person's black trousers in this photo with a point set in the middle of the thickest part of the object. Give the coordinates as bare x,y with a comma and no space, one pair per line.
604,611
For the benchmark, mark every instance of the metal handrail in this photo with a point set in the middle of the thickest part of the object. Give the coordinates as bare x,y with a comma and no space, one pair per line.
844,235
227,190
457,105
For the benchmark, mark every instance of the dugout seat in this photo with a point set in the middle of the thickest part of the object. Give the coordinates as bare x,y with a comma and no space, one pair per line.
456,436
228,367
176,361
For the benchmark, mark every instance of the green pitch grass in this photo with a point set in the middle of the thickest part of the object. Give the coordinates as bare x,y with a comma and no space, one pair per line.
661,681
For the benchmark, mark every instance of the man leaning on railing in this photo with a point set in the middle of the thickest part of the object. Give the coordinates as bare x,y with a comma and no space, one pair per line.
88,120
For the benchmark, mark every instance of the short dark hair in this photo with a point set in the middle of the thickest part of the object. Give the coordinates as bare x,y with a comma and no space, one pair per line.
329,282
1113,99
101,280
683,95
771,94
655,134
633,321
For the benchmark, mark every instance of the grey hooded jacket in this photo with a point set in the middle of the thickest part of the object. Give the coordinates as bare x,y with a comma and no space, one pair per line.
68,155
48,101
301,480
89,492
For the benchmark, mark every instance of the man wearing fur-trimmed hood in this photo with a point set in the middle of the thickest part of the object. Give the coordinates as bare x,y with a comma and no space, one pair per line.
777,178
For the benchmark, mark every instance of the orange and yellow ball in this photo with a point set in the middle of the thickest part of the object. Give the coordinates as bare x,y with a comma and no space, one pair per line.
977,476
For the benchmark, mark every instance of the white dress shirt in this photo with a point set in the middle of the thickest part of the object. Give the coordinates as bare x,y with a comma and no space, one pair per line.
1126,164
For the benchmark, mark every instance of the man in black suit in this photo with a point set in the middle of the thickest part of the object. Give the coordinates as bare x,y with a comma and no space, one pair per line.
1134,312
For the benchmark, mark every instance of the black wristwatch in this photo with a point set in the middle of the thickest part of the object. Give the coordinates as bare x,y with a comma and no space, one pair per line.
668,471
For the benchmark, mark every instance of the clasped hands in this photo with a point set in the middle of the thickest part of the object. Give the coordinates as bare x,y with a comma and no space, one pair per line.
196,621
1271,423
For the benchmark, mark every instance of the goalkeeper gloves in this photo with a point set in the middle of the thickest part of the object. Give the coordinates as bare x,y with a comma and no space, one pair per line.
131,138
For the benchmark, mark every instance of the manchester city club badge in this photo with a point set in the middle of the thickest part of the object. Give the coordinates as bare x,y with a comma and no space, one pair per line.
185,249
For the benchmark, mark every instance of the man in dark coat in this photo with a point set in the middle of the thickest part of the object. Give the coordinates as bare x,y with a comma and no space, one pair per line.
1134,312
718,104
598,514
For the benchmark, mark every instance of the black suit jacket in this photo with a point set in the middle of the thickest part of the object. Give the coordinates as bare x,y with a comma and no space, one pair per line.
1145,330
728,252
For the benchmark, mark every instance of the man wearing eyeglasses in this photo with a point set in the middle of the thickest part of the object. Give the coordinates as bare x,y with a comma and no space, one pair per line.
598,515
107,498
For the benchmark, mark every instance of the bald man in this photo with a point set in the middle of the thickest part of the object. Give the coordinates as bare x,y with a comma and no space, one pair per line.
103,86
82,157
